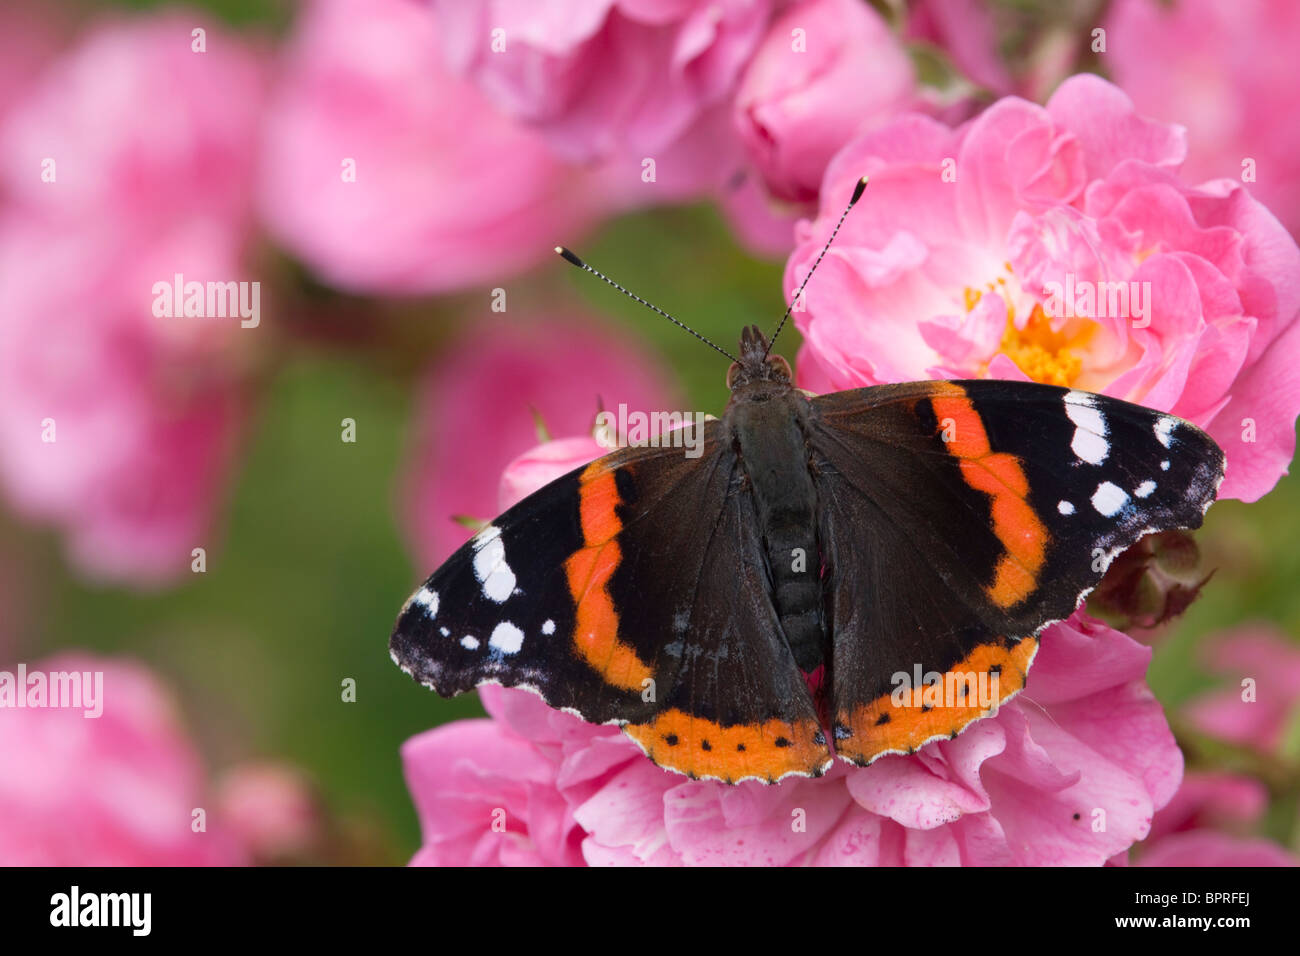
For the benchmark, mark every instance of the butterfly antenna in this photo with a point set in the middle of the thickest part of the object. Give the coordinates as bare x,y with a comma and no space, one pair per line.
570,257
857,194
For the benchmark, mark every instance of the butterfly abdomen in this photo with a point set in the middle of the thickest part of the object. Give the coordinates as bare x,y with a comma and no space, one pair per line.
774,456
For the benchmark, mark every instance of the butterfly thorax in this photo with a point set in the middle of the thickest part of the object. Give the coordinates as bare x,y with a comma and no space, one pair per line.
766,419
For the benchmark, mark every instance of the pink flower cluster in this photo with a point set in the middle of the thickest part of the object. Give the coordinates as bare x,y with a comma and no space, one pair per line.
1003,248
387,174
115,423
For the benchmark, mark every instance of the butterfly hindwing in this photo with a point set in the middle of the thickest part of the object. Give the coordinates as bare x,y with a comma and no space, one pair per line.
630,591
958,518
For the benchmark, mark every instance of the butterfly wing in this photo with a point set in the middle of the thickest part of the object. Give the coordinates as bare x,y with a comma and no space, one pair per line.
959,518
631,591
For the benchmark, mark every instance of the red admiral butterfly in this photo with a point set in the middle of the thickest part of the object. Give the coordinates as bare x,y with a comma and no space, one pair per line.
876,563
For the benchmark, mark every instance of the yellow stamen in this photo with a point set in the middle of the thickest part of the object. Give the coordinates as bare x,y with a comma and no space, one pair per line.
1044,355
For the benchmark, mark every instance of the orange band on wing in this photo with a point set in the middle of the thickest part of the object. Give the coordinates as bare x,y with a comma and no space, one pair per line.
598,504
886,725
703,748
954,410
595,634
1001,477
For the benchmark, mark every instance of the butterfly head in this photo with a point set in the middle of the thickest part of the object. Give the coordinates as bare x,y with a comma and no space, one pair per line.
755,364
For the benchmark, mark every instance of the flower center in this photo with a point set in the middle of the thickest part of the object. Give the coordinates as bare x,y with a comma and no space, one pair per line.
1040,352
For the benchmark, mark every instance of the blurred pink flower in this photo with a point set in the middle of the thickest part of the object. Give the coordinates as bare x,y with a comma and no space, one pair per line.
1271,662
476,414
120,789
826,70
1210,849
546,462
1221,70
948,266
965,30
1203,824
706,162
762,225
141,129
1210,801
385,174
535,785
30,34
115,423
603,77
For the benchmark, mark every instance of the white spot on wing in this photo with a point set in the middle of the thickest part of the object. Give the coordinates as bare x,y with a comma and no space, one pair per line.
1164,465
548,627
490,565
1090,447
445,632
1109,498
489,533
1164,429
1144,489
1089,442
469,643
506,638
1065,508
428,600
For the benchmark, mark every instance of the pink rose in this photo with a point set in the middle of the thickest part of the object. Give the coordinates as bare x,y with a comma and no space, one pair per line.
1262,713
1218,70
117,422
827,70
603,77
535,785
477,414
385,174
119,789
960,261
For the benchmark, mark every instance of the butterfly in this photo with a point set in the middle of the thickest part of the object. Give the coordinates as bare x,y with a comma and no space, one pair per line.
847,575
